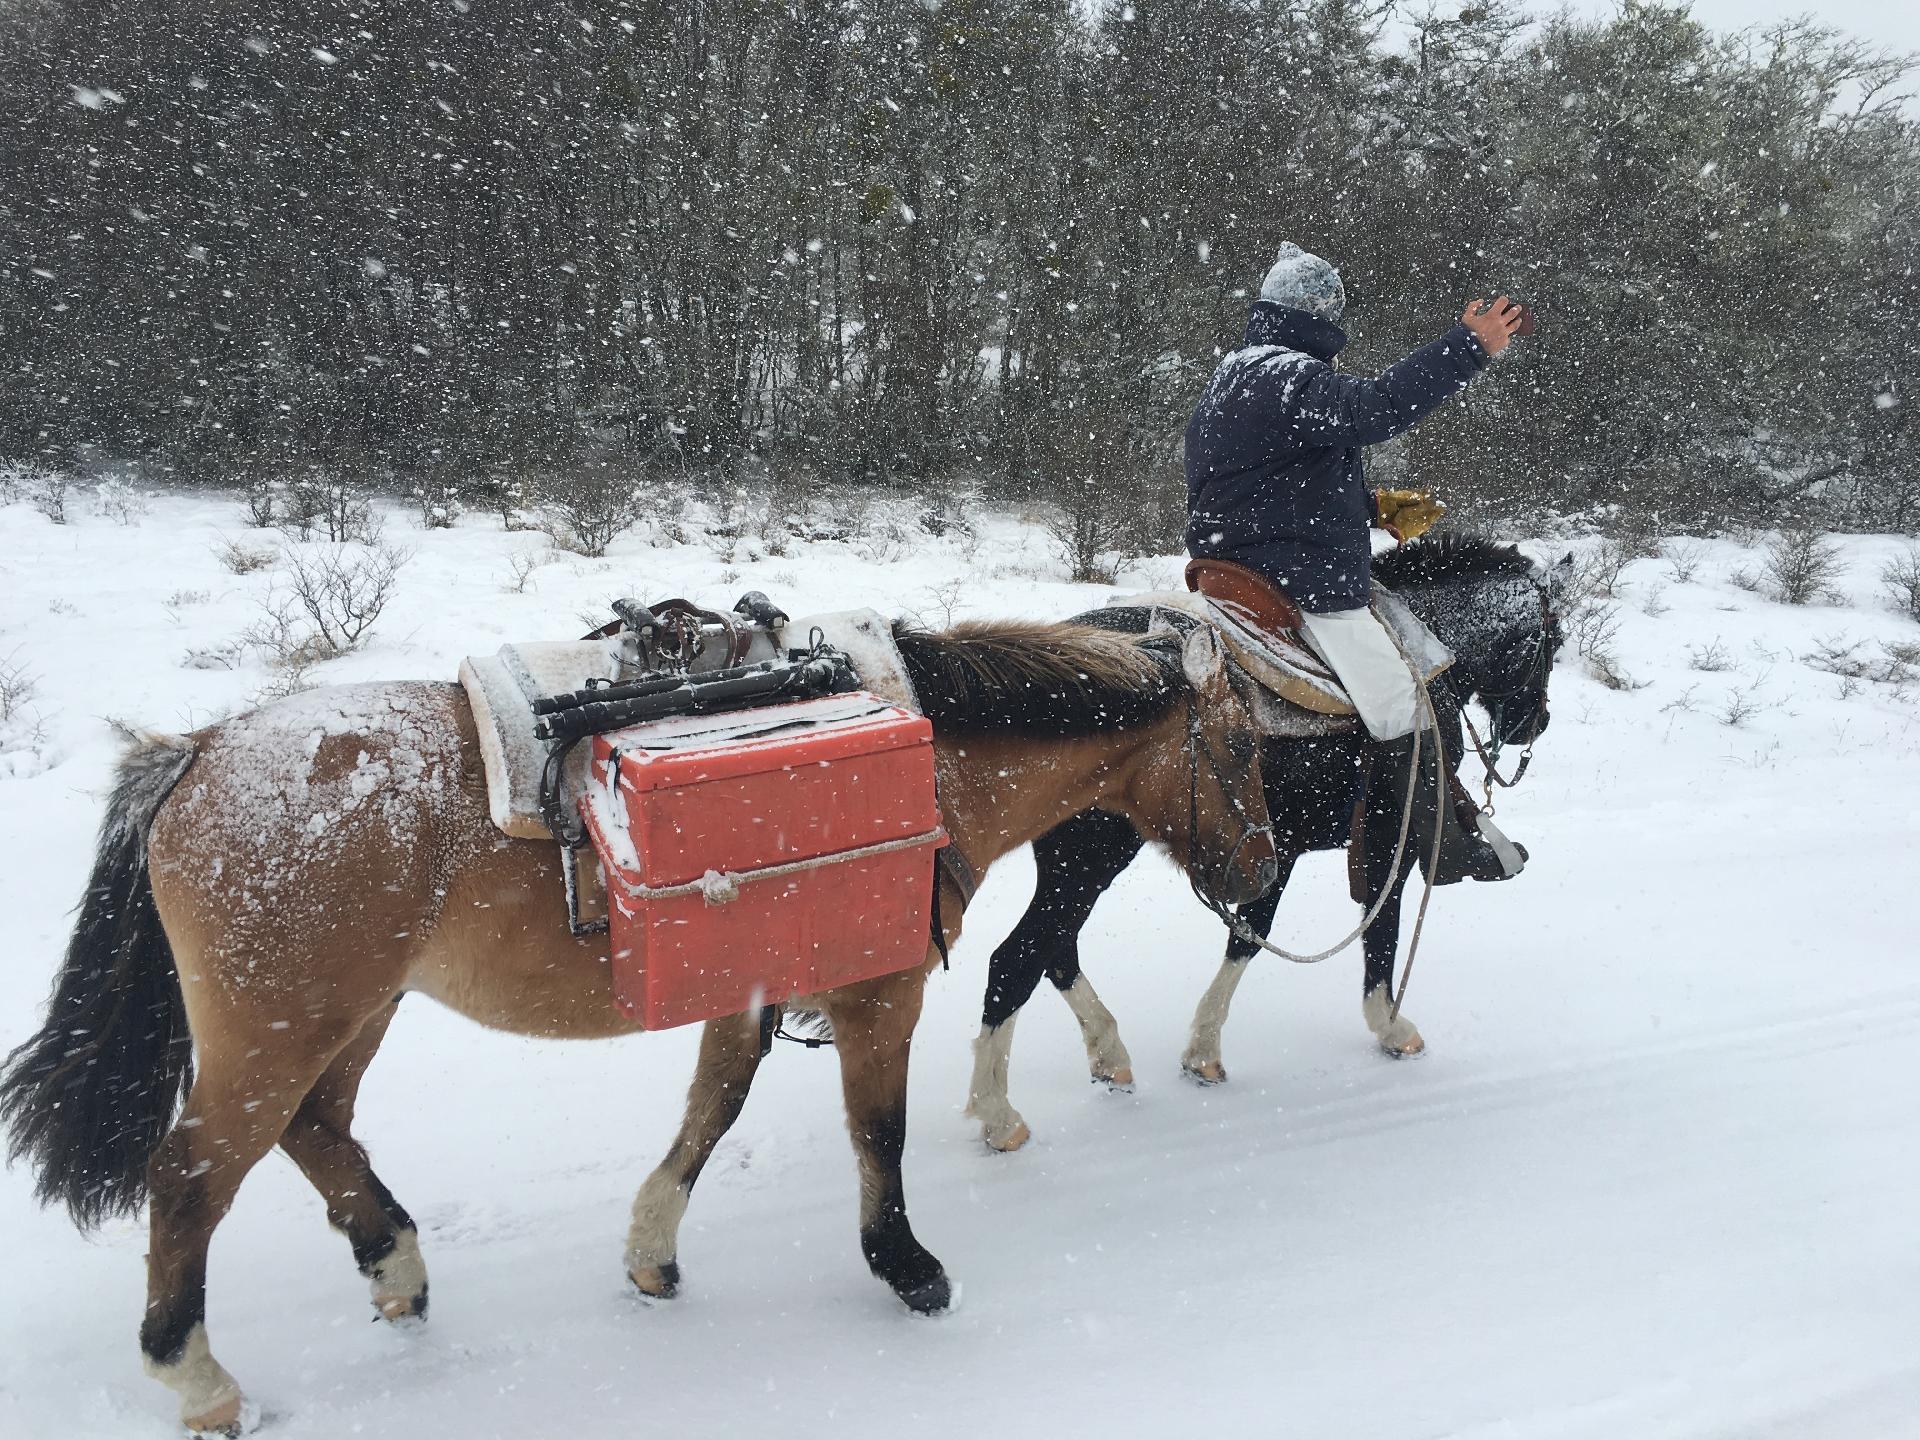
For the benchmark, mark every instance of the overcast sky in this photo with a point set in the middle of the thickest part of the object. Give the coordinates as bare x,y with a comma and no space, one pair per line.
1893,23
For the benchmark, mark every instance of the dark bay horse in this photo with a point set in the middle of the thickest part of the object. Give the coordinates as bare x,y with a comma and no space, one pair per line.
1495,609
267,889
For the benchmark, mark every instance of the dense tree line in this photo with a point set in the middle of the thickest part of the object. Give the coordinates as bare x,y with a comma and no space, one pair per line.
506,245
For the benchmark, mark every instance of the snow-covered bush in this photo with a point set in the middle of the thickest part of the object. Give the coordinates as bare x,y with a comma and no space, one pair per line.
330,506
343,591
583,507
1901,577
520,567
244,559
439,506
17,687
264,498
24,739
1683,559
119,502
47,490
1711,658
1802,564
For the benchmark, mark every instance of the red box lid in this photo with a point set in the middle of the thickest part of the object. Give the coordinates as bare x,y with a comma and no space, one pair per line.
760,787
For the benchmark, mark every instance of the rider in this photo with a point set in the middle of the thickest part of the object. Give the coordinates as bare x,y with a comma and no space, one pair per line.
1275,482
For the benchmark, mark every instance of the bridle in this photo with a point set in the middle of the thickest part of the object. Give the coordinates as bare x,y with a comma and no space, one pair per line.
1231,786
1539,670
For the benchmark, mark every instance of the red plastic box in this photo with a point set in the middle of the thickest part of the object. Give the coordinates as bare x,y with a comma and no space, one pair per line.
691,814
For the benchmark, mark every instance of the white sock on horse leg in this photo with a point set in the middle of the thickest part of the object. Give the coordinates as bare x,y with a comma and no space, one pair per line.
1399,1035
1209,1019
1106,1056
400,1277
987,1102
653,1239
210,1398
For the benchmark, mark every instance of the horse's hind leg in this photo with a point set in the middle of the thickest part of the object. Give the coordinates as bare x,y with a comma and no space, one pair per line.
248,1086
729,1057
1202,1061
1074,864
319,1138
872,1030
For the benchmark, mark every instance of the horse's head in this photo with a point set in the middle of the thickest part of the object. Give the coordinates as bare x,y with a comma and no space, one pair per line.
1209,806
1512,683
1498,612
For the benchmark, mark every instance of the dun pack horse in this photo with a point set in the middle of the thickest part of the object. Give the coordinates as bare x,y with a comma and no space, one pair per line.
1495,609
266,890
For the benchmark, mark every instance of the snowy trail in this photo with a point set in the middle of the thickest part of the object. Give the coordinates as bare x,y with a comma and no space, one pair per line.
1654,1177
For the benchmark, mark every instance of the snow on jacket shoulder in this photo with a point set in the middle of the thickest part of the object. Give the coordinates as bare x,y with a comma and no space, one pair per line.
1275,478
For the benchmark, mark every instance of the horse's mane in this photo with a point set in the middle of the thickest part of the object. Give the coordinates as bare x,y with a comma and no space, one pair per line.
1448,559
1015,677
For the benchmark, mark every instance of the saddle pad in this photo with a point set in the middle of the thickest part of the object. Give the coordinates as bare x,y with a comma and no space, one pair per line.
1287,671
503,686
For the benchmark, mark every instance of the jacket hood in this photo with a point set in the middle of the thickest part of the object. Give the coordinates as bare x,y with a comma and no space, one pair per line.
1271,324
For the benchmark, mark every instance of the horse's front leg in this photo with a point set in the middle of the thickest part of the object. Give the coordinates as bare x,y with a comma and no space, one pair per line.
729,1057
872,1031
1396,1035
1074,863
1202,1061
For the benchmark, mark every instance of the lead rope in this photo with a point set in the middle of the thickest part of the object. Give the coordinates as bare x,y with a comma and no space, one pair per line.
1246,932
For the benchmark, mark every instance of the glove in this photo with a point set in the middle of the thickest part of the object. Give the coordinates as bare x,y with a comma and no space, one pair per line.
1407,513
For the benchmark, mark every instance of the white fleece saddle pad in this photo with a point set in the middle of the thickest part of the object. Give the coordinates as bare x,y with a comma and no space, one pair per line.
503,686
1292,692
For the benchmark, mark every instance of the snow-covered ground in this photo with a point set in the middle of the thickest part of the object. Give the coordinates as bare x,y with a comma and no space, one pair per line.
1654,1177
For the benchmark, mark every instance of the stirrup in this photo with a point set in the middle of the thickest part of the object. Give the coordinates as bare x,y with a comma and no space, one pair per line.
1513,858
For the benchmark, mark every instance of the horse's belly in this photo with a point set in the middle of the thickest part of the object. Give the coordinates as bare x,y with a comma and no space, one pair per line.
500,951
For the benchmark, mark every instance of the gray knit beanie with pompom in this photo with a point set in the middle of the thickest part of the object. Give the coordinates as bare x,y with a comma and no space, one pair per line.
1301,281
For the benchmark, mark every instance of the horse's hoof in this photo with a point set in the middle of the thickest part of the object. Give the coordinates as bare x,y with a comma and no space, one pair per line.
1121,1080
1204,1072
657,1282
1011,1140
406,1311
929,1297
231,1418
1403,1045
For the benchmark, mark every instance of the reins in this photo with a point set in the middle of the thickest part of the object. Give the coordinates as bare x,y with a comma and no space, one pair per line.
1246,932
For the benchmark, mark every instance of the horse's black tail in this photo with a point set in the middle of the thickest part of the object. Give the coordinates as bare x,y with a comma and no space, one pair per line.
88,1098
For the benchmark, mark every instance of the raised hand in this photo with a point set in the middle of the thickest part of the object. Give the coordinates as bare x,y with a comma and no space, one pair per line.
1493,322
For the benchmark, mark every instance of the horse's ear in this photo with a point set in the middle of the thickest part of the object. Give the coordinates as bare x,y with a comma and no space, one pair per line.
1565,565
1203,659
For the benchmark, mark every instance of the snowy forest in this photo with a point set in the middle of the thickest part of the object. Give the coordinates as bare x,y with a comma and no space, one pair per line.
507,250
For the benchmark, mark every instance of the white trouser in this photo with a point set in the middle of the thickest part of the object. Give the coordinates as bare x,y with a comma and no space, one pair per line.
1360,651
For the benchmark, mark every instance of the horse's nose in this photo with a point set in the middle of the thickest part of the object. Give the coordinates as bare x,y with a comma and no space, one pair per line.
1264,879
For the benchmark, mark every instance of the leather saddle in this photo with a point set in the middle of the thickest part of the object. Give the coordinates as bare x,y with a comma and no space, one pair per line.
1264,603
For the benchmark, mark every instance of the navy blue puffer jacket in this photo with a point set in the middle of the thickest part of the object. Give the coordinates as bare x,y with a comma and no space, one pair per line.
1274,475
